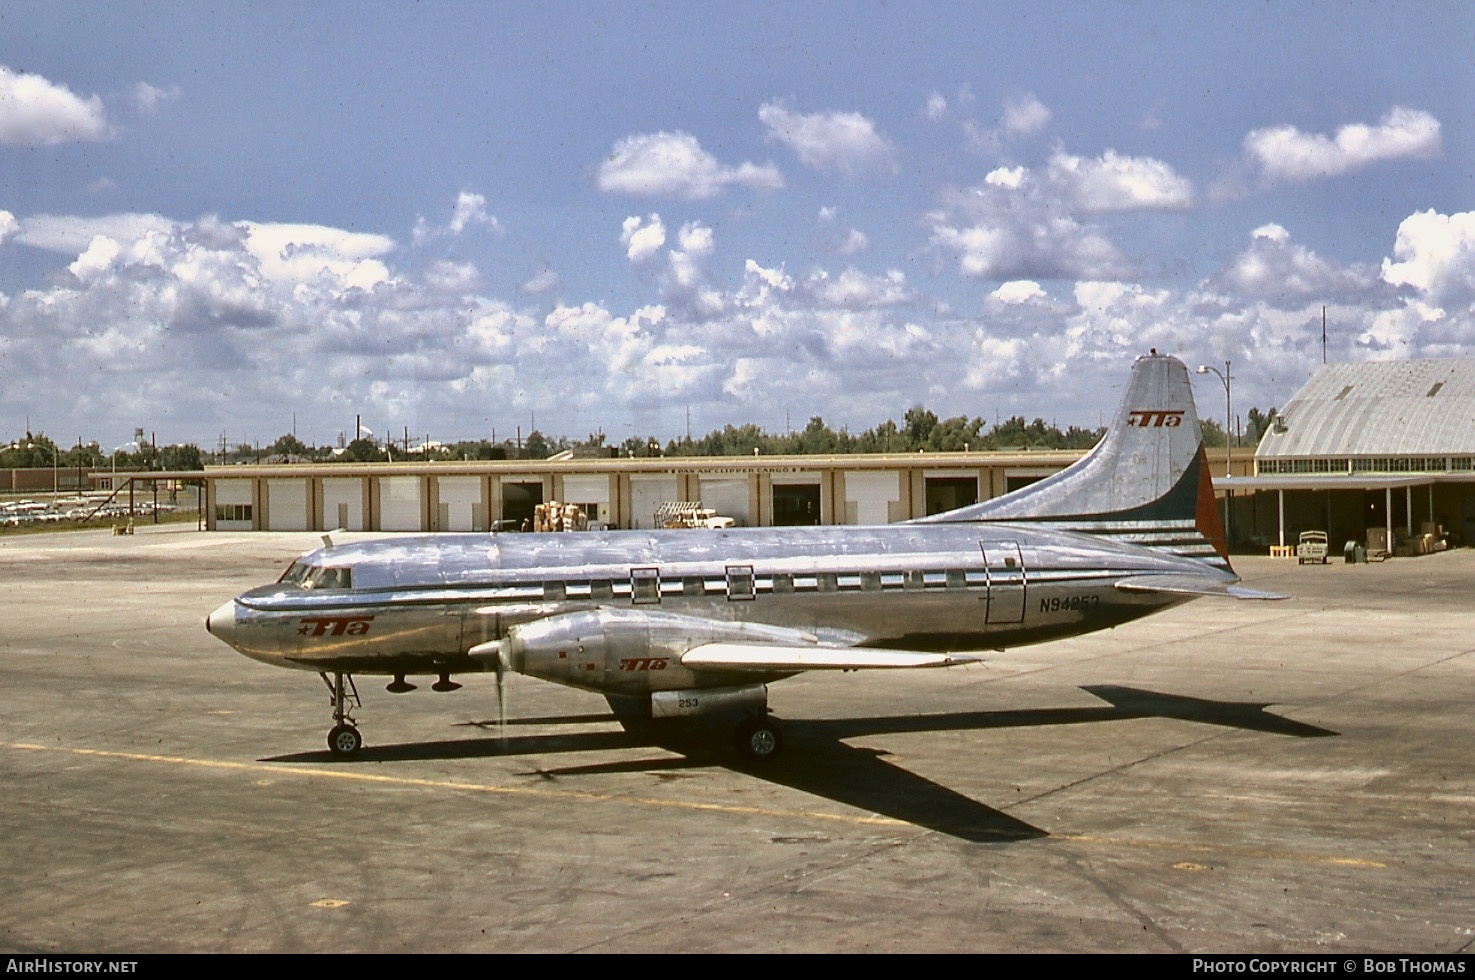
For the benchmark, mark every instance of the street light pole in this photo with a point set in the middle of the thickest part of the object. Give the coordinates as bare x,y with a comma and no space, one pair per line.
1225,378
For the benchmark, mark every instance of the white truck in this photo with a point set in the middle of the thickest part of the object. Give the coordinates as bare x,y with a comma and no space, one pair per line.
690,513
1311,547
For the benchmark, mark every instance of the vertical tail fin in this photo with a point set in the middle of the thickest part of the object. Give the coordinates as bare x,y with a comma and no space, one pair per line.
1146,482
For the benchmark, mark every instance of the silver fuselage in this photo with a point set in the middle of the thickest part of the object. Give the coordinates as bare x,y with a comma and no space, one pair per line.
420,605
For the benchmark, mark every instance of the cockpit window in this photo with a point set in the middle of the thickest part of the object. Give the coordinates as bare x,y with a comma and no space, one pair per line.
317,576
332,578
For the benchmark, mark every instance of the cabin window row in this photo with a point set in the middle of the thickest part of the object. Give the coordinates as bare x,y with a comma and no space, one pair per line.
740,583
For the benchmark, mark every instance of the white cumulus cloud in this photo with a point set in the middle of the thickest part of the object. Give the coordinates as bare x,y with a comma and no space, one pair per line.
1120,183
1287,153
470,209
1434,252
543,281
98,258
1025,115
38,112
1281,273
1013,226
854,242
835,142
1018,291
696,244
302,253
675,165
642,239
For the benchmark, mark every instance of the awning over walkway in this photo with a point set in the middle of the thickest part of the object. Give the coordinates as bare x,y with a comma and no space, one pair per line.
1337,481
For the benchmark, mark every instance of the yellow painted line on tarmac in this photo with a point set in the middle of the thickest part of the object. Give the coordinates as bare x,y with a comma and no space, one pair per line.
351,775
1247,852
411,781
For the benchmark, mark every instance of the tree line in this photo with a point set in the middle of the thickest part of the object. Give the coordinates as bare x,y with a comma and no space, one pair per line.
920,430
36,450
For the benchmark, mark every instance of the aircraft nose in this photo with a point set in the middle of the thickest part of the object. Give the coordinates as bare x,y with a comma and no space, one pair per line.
222,622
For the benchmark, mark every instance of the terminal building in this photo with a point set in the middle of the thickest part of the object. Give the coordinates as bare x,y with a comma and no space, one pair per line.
759,491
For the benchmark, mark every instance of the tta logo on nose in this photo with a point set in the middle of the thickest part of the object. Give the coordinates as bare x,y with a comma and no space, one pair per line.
334,625
1155,418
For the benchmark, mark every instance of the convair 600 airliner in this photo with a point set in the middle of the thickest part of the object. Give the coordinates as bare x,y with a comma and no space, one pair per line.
676,624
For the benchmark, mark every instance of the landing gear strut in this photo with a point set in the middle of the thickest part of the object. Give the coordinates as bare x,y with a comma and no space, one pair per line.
344,739
757,739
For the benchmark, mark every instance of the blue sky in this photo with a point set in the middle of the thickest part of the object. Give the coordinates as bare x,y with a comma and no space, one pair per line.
455,218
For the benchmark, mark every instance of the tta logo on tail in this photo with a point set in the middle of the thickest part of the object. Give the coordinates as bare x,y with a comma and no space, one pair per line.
1155,418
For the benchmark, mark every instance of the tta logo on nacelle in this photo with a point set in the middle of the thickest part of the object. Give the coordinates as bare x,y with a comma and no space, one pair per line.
1155,418
334,625
644,663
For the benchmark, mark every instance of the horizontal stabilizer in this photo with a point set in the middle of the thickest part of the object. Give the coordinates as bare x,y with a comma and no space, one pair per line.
1193,585
771,657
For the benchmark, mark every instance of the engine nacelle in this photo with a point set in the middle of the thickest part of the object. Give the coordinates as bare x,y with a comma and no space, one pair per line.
630,651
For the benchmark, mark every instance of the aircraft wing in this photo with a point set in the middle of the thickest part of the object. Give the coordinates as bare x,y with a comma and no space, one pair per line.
1193,585
768,657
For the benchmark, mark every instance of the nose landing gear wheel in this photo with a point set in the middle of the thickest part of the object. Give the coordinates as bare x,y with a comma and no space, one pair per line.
344,741
757,740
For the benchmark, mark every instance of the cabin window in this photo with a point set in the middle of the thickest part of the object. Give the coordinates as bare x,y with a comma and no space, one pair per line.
693,586
645,585
827,582
554,592
913,581
601,590
783,584
740,582
870,581
957,578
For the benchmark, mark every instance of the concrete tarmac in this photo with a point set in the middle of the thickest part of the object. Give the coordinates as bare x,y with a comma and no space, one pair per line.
1224,777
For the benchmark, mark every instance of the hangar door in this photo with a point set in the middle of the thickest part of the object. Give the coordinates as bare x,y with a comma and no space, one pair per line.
343,503
870,497
647,493
460,504
286,505
727,496
520,500
399,503
796,502
591,493
945,493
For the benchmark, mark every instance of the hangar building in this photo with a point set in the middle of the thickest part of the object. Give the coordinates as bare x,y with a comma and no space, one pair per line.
1375,453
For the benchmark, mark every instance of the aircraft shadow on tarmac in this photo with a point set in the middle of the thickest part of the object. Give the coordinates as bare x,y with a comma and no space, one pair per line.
818,761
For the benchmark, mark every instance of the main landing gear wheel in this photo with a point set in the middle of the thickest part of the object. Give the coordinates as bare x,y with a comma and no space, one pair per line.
344,741
757,740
